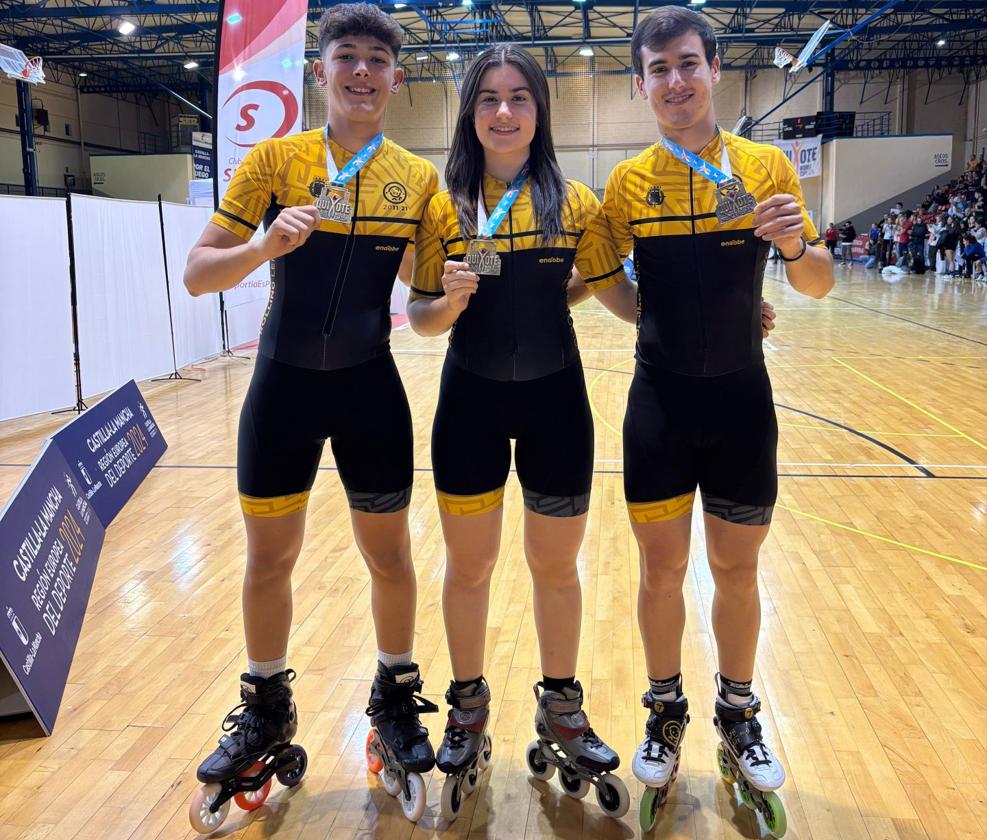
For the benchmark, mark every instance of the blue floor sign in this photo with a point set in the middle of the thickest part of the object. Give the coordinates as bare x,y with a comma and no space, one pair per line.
51,533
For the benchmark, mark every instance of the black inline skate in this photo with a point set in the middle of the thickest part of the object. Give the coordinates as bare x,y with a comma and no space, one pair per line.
397,744
466,747
257,746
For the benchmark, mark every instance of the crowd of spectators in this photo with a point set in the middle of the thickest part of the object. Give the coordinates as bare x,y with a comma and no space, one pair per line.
946,233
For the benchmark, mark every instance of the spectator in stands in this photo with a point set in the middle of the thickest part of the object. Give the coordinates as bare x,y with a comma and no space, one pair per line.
973,257
887,242
847,234
948,240
903,231
917,240
831,236
875,232
894,211
935,230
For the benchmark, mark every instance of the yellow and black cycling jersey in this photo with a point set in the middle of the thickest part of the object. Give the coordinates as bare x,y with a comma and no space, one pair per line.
329,303
699,281
517,326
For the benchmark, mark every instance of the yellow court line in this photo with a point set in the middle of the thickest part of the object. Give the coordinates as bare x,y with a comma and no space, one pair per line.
908,402
592,391
882,539
866,431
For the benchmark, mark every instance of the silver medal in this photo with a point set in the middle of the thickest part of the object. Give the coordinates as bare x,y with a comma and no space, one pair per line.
482,257
334,204
733,201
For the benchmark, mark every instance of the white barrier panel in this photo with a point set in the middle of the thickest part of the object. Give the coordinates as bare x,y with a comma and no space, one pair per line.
120,285
196,319
36,372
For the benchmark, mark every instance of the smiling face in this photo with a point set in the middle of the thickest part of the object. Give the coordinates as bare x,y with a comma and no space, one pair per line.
505,114
678,83
360,74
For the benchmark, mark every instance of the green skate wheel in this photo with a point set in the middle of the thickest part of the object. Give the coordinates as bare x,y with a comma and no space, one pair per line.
774,814
650,805
721,759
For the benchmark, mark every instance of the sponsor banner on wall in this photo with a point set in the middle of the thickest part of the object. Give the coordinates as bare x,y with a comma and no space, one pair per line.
258,95
805,155
202,154
51,533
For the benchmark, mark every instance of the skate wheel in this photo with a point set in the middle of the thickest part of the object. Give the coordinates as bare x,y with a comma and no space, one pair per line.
575,786
746,797
374,761
613,797
651,801
392,784
721,760
483,761
537,765
470,779
202,819
452,800
414,806
293,770
251,800
774,814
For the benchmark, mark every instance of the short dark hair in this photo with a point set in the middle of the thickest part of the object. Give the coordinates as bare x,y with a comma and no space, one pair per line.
359,19
666,23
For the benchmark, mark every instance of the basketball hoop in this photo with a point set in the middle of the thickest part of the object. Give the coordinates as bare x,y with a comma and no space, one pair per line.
15,65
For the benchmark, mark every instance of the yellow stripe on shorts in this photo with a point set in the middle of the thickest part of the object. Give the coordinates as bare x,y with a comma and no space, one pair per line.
661,511
273,506
471,505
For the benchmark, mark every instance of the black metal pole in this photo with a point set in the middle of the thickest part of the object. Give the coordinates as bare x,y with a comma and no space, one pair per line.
171,321
79,406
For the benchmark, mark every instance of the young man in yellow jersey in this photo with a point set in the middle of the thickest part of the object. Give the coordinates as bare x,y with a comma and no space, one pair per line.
701,208
340,203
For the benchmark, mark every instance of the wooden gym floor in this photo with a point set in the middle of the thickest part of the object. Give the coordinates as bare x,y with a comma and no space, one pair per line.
873,655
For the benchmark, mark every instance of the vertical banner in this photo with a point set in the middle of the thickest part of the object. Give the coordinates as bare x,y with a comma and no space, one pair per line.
260,69
201,154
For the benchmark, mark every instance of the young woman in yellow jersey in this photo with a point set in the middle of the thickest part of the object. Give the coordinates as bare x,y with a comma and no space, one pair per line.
493,256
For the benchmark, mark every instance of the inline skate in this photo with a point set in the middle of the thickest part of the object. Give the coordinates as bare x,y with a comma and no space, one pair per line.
656,762
397,746
566,741
257,745
466,747
745,761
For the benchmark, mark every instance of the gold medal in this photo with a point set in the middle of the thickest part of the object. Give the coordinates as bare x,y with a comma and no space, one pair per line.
482,257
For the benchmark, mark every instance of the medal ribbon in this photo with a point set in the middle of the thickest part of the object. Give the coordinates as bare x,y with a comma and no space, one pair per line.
339,178
488,227
700,166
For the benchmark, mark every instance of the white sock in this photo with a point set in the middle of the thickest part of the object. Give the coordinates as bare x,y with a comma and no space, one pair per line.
389,660
267,669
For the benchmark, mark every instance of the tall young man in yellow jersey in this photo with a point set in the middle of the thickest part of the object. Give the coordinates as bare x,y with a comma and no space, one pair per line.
700,209
324,371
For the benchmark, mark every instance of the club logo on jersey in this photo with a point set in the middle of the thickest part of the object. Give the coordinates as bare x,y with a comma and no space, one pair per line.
395,193
655,196
317,187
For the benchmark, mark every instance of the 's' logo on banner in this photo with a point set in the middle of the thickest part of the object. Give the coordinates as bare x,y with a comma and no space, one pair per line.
265,109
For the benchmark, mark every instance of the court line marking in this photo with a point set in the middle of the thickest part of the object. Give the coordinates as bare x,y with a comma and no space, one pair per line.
868,432
888,540
909,402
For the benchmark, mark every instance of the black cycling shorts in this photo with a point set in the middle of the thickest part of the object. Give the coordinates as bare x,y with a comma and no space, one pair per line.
718,433
289,413
476,419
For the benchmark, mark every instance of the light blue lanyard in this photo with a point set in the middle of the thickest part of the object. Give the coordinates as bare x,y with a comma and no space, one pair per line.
488,227
700,166
338,178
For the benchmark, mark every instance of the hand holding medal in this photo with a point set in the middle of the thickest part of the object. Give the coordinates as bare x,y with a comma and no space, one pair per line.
458,282
779,220
482,257
290,230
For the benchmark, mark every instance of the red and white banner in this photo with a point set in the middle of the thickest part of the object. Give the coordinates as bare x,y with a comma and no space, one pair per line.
261,61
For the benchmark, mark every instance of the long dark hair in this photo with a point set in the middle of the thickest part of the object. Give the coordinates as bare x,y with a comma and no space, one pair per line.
464,169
